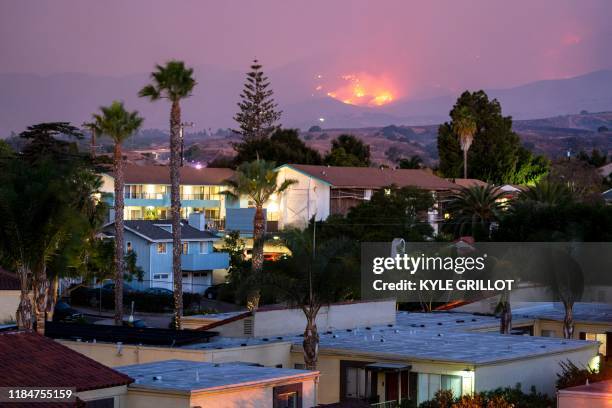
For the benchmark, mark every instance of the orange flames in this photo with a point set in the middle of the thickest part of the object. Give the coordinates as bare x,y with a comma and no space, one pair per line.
364,90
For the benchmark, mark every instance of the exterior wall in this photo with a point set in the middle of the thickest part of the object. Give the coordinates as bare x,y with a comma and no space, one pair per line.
106,353
538,371
329,366
254,397
557,328
117,393
146,399
339,316
568,399
9,301
303,200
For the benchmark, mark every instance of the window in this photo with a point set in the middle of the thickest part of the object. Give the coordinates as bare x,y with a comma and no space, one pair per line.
160,276
161,247
288,396
128,247
429,384
299,366
601,338
185,248
548,333
204,247
355,381
100,403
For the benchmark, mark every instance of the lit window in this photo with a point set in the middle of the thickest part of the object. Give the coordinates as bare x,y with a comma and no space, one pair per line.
128,247
185,248
203,247
161,247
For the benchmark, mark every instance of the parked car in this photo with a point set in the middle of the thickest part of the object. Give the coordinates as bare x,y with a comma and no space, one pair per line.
212,292
110,287
64,313
159,292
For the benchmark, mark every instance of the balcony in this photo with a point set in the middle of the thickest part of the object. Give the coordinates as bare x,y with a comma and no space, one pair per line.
147,199
200,200
200,262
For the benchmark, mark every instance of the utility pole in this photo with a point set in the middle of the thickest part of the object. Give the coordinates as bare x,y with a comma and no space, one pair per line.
92,128
183,126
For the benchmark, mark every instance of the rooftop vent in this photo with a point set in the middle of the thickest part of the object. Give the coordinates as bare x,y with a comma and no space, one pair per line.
157,378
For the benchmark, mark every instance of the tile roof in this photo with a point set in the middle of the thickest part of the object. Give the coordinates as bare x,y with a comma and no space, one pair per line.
468,182
8,280
151,230
193,376
152,174
373,177
30,360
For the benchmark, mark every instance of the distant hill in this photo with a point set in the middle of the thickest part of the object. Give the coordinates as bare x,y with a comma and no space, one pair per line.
552,137
26,99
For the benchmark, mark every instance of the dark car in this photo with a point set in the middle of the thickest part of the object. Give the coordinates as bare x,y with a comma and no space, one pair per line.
212,292
64,313
159,292
110,287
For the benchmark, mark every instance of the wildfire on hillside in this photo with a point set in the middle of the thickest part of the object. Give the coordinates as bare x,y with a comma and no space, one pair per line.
361,89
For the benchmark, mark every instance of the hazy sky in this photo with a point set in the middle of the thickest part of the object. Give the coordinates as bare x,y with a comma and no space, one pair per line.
424,44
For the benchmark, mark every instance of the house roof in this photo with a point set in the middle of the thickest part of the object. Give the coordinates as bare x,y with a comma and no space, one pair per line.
28,359
192,376
607,195
8,280
153,174
373,177
151,230
468,182
582,312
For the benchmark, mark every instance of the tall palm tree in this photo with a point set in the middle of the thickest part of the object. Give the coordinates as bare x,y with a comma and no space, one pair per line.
474,208
258,181
174,82
118,124
464,125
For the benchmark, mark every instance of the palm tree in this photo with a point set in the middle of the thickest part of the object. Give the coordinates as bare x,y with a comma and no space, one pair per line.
475,208
174,82
548,192
313,277
118,124
258,181
464,125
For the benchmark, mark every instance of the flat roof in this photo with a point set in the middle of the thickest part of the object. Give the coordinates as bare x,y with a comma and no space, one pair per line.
450,320
583,312
192,376
598,388
444,345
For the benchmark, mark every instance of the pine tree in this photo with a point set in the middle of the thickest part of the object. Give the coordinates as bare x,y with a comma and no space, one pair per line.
258,115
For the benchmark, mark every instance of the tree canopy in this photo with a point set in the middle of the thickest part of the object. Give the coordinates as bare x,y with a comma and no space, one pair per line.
348,151
496,154
283,146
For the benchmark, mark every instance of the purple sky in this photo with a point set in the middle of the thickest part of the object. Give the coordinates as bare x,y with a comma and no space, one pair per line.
419,45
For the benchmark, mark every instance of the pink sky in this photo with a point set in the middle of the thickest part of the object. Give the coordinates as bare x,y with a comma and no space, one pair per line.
419,45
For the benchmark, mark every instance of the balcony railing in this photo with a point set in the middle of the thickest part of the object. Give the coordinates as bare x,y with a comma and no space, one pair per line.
144,196
200,196
199,262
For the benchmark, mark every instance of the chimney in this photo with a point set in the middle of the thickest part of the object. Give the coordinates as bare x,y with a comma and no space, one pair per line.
197,220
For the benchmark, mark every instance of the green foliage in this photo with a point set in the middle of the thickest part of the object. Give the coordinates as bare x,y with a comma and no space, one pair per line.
315,128
116,122
414,162
548,192
348,151
499,398
257,116
257,181
531,221
596,159
390,213
496,154
473,210
327,272
284,146
172,81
